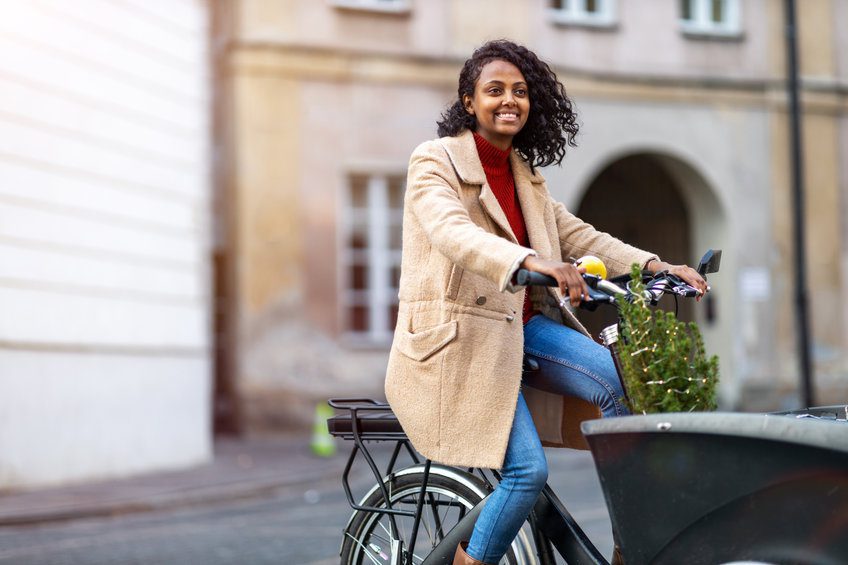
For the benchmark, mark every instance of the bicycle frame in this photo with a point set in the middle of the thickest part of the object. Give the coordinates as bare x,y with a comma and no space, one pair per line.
550,522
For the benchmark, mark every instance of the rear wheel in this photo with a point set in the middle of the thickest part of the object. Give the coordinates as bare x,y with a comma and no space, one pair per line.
368,539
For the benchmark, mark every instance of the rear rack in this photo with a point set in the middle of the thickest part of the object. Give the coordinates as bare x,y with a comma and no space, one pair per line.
366,419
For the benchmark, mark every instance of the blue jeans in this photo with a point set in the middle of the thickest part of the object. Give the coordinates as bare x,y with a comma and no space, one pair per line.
569,363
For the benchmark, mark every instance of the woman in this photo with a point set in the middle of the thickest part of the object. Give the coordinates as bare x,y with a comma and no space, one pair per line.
475,211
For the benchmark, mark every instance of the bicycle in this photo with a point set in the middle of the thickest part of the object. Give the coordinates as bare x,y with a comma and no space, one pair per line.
417,515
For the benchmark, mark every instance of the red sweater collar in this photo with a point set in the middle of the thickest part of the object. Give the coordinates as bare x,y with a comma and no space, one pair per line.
493,159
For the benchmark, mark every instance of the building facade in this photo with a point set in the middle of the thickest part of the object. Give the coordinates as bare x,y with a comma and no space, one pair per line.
684,146
105,316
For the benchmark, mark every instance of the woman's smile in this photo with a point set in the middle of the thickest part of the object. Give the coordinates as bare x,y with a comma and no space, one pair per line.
510,117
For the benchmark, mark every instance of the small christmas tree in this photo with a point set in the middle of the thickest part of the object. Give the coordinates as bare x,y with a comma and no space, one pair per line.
664,365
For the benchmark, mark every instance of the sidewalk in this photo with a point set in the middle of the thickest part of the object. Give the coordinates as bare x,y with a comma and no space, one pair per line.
241,468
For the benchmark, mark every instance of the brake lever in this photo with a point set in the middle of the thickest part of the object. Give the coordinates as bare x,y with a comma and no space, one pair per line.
681,288
686,291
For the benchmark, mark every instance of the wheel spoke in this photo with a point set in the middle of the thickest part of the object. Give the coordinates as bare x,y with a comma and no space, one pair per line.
365,551
441,533
385,529
426,523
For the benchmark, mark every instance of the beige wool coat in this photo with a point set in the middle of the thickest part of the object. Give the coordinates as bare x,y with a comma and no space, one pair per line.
455,365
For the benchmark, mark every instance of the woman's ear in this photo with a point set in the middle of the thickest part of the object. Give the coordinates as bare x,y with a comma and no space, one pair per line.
466,102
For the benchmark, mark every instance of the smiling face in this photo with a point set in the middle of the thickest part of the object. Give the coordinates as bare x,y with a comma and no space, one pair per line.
501,103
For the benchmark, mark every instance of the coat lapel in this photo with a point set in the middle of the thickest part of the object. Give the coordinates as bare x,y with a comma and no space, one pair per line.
463,154
493,209
533,199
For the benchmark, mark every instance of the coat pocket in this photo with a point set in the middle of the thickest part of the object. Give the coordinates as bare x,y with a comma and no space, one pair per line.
420,345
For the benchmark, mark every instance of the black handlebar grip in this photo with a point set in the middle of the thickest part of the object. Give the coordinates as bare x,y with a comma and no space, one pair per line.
531,278
599,296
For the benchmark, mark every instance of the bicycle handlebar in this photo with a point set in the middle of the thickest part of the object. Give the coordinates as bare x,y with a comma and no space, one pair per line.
532,278
603,291
600,291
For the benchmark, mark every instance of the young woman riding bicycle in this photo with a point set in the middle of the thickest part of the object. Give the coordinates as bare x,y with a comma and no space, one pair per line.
475,211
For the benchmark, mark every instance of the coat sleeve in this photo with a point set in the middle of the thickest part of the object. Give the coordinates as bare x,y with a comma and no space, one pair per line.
578,238
433,200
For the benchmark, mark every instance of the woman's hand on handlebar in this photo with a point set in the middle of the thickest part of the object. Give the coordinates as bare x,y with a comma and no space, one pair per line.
684,272
569,277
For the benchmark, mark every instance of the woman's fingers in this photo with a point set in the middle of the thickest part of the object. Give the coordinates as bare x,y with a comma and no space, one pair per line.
691,277
575,287
569,277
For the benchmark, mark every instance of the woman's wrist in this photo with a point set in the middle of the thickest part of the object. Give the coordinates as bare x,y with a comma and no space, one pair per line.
527,262
656,265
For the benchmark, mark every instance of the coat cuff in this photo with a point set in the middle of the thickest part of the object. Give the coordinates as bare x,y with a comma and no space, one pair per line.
509,284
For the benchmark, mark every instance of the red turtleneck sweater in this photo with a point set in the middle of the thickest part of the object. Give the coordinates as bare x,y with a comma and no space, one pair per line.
499,176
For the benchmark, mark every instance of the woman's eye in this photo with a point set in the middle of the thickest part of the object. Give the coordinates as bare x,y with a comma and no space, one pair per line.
521,92
494,91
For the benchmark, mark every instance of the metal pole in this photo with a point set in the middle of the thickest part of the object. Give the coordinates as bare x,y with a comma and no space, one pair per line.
801,303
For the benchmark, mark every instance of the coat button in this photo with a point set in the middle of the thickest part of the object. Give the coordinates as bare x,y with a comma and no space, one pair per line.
509,317
481,300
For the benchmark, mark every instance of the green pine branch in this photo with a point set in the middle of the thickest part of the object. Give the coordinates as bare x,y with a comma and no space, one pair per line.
664,364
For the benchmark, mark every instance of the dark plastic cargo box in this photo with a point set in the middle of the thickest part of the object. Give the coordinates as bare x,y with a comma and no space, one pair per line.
706,488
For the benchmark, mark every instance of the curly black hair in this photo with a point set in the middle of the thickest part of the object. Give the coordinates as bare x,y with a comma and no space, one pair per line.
552,123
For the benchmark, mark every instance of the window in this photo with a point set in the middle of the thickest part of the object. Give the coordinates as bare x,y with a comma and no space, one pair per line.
387,6
710,17
370,256
597,13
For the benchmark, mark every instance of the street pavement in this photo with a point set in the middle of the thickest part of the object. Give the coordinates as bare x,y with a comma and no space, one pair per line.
261,500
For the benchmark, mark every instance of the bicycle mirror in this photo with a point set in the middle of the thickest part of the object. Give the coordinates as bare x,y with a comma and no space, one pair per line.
710,262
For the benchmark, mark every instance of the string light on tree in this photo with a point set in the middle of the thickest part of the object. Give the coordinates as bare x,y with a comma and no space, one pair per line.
657,352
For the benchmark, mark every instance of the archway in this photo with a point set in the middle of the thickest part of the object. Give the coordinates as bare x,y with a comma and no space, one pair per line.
636,199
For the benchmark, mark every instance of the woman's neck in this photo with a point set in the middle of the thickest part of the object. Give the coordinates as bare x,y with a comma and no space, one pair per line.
501,142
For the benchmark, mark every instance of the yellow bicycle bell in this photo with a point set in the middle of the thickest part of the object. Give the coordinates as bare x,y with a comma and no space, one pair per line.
593,266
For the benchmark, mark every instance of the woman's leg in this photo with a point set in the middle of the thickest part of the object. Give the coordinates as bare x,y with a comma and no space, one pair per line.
524,474
571,363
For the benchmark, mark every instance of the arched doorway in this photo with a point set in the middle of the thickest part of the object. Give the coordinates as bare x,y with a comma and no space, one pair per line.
638,201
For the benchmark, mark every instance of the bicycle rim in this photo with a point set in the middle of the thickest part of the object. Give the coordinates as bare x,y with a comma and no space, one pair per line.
368,539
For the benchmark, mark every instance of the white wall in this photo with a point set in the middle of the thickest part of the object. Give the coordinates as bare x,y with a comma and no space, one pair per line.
104,239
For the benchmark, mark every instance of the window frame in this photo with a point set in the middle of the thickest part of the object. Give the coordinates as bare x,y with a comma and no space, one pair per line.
379,217
576,15
702,25
380,6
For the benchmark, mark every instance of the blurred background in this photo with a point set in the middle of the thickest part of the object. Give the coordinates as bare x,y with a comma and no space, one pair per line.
200,202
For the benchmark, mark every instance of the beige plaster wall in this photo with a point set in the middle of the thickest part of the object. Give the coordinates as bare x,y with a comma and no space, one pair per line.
843,206
643,42
266,111
824,222
816,41
476,21
648,42
319,23
840,38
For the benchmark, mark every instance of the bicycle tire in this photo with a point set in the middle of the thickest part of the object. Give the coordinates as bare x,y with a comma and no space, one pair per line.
367,540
